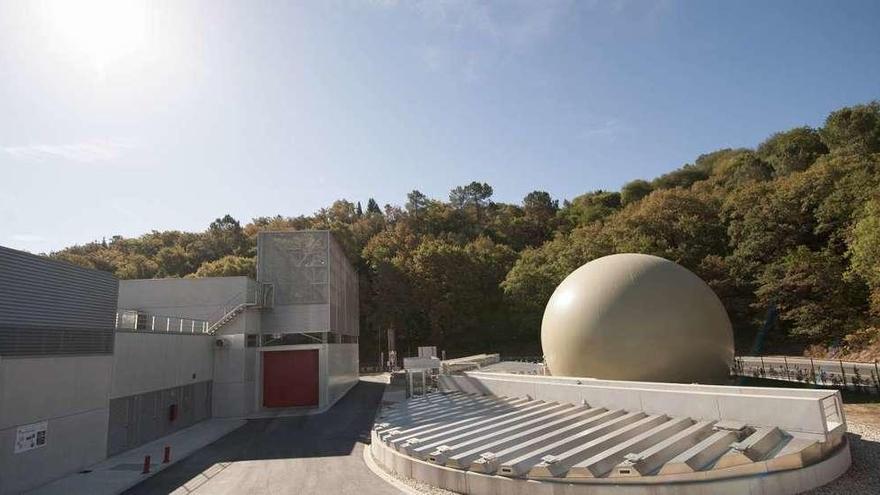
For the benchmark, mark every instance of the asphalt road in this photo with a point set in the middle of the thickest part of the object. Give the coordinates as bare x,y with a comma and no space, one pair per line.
320,454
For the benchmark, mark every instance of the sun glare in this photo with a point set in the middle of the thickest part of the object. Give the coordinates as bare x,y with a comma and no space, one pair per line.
102,32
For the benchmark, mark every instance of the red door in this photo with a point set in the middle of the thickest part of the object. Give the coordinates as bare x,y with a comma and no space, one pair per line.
290,378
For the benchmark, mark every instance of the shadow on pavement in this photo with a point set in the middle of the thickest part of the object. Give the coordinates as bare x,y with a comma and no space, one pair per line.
333,433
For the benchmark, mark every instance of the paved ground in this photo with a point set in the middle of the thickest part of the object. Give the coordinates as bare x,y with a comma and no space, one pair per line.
318,454
124,470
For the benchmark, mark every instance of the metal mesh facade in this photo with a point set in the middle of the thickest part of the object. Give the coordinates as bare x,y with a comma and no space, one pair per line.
344,288
296,264
314,283
49,307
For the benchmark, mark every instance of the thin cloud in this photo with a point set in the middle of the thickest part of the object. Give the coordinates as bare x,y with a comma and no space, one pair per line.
466,38
609,130
510,24
82,152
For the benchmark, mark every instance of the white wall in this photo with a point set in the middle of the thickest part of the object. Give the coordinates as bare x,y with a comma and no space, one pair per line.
790,412
144,362
231,389
68,392
342,370
199,298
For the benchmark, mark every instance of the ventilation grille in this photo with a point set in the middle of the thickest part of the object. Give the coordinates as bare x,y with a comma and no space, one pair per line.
54,341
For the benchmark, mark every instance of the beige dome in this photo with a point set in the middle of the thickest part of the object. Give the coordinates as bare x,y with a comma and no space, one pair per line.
637,317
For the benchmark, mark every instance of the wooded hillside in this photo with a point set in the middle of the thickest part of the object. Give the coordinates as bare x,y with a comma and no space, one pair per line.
793,223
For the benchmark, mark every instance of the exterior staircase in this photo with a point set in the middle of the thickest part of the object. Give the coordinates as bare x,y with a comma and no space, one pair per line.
261,297
229,316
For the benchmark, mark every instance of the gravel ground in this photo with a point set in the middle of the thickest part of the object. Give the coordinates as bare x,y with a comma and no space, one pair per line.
864,475
421,487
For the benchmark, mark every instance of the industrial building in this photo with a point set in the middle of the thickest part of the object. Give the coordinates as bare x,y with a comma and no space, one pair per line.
91,366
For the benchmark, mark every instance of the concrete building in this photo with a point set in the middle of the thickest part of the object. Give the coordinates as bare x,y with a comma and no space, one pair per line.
280,343
91,367
56,362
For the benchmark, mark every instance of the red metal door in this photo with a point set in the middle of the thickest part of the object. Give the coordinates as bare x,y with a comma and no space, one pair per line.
290,378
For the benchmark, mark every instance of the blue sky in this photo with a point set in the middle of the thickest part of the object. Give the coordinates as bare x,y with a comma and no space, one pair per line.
122,117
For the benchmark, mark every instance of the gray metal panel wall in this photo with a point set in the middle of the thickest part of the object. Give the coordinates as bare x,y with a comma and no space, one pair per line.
138,419
49,307
315,283
344,304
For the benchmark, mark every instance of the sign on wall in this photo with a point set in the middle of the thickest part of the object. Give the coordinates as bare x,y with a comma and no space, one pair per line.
29,437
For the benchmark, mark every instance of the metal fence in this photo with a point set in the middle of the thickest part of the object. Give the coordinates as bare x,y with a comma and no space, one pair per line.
847,375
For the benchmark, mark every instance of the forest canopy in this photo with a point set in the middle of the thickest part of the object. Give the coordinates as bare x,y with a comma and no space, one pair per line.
792,224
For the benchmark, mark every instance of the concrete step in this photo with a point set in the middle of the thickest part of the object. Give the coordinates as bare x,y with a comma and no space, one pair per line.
523,464
754,448
408,415
408,419
518,459
795,453
461,417
451,424
435,426
436,417
425,446
603,462
464,458
449,411
443,454
700,455
556,465
651,459
414,413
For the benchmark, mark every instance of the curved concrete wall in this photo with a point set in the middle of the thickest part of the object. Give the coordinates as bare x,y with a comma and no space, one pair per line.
471,483
802,411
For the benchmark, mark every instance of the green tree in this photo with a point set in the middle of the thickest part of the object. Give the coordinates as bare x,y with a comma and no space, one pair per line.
475,194
591,207
373,207
864,250
228,266
855,128
793,150
224,237
811,294
634,191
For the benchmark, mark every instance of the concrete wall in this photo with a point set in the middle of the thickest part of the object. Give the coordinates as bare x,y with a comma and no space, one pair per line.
199,298
231,367
144,417
68,392
232,392
144,362
342,370
812,413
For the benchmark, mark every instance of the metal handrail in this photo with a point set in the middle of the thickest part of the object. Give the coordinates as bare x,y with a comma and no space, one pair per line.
139,321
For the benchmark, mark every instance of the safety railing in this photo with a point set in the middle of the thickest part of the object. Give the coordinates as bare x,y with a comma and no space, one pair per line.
847,375
260,295
130,320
